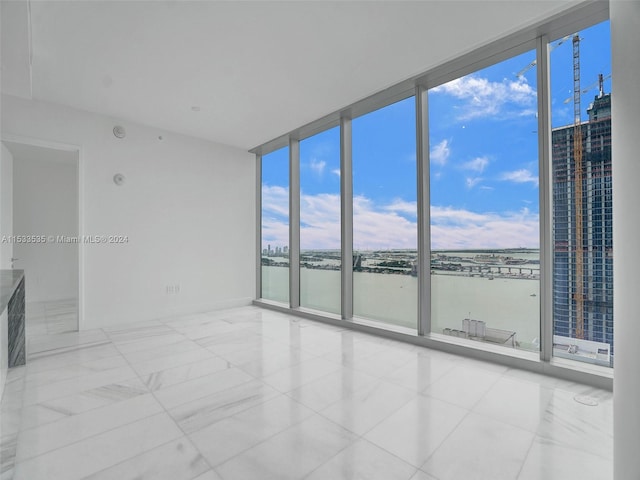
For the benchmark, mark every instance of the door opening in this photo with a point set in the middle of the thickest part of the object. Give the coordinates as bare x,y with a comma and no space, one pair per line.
45,235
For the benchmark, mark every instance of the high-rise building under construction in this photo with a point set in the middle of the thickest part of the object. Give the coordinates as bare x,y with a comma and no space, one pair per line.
595,301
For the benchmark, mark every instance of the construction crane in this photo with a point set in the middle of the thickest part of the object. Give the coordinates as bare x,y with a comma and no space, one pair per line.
535,62
598,83
578,178
578,188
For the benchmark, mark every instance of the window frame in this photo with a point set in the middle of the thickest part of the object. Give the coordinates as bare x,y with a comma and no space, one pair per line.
536,37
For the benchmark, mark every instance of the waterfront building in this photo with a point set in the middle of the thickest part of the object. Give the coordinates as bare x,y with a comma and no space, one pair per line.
597,231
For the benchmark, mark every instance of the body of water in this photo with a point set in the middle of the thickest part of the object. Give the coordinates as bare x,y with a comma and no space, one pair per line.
511,304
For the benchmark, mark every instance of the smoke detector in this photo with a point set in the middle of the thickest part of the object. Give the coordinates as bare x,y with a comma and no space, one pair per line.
118,179
119,131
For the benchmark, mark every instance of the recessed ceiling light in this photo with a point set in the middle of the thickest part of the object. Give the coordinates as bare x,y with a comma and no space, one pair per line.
195,108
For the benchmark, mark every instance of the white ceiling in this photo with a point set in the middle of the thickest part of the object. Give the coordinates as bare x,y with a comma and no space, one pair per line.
256,69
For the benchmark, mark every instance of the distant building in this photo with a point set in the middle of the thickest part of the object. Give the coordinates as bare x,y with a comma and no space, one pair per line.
597,248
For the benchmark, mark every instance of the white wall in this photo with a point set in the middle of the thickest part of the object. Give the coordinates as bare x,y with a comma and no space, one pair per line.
187,207
45,199
625,108
6,206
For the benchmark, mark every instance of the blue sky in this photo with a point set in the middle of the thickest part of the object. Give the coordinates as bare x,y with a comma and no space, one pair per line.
484,161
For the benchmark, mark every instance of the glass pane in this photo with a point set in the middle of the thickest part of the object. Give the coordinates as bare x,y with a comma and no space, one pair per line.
581,182
385,285
275,225
320,221
485,234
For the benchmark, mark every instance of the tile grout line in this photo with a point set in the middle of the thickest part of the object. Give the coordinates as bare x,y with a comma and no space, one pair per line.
185,434
524,460
82,439
188,435
110,341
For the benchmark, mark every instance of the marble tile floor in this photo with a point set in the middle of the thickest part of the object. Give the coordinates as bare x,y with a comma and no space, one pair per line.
248,393
50,317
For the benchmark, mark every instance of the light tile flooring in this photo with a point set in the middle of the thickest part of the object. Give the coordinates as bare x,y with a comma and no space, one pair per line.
57,316
248,393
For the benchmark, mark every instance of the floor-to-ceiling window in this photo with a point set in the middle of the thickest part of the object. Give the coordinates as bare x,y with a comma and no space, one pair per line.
485,235
275,226
320,221
519,153
580,67
384,215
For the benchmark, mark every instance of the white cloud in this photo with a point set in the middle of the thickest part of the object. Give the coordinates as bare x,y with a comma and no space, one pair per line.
484,98
454,215
275,233
528,112
471,182
275,215
320,221
275,200
403,207
459,228
336,172
379,228
478,164
317,166
393,225
374,226
440,153
520,176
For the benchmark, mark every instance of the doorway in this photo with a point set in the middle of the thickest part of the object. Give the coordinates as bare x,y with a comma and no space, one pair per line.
46,233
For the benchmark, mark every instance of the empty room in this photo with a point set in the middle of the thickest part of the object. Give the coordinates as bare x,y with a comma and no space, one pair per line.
387,240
